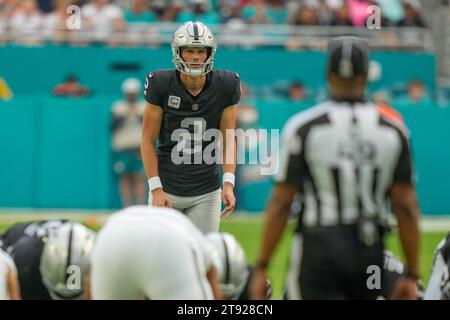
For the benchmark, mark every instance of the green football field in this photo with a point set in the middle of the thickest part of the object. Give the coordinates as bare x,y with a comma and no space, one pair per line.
247,229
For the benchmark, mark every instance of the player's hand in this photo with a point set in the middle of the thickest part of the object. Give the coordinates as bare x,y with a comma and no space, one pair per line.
228,199
160,198
405,289
258,285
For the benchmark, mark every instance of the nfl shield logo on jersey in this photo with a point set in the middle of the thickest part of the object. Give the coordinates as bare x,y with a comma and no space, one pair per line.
195,107
174,102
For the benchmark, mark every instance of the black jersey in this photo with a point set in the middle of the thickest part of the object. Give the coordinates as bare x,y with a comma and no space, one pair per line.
185,172
25,243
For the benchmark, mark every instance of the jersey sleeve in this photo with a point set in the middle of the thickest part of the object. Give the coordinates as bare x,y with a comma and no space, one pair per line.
292,165
151,91
404,170
235,95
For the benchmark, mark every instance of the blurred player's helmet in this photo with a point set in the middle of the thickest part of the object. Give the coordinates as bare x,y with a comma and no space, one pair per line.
193,34
230,263
65,260
131,85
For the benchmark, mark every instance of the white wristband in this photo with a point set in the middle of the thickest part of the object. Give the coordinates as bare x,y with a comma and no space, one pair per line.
154,183
228,177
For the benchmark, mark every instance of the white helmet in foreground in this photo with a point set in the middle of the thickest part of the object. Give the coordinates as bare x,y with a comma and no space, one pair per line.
193,34
230,263
65,260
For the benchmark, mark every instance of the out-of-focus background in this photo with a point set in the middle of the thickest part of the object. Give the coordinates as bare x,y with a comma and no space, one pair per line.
70,69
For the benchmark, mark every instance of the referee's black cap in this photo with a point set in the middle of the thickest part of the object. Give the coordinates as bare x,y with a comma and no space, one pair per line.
348,57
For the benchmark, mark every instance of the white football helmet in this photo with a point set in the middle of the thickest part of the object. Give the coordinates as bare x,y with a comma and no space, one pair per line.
65,260
193,34
230,263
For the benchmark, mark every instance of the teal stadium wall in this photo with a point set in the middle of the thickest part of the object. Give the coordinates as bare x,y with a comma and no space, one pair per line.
56,151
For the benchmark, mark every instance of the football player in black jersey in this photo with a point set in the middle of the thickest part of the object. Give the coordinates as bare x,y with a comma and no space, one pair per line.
51,257
189,108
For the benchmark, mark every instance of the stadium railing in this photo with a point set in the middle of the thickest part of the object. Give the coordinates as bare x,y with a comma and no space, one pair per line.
240,35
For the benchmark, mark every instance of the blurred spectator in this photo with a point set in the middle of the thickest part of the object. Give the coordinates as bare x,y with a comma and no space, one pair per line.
417,92
231,11
167,10
297,92
391,10
54,24
276,11
26,21
102,18
341,17
334,4
323,9
45,6
127,115
140,12
358,11
71,87
199,10
141,27
412,17
8,7
416,95
256,12
305,16
125,4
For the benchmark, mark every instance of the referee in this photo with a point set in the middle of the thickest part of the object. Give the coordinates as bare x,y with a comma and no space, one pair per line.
346,158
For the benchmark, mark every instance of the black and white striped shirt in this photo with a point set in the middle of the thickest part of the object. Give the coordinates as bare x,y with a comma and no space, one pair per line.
344,158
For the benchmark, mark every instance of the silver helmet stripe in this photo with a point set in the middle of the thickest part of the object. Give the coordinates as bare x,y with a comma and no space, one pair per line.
195,31
227,261
69,251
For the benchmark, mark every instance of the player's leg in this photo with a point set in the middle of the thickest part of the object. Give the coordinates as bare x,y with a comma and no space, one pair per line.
204,211
121,167
292,290
178,203
177,270
138,182
126,190
139,188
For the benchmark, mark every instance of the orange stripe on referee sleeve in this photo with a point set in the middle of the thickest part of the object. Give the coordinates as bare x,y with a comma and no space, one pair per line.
390,113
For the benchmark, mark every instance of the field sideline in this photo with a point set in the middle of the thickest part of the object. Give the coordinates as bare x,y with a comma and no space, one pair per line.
247,229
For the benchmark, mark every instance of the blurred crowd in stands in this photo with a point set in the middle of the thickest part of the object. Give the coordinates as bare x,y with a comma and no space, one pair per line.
103,17
298,12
